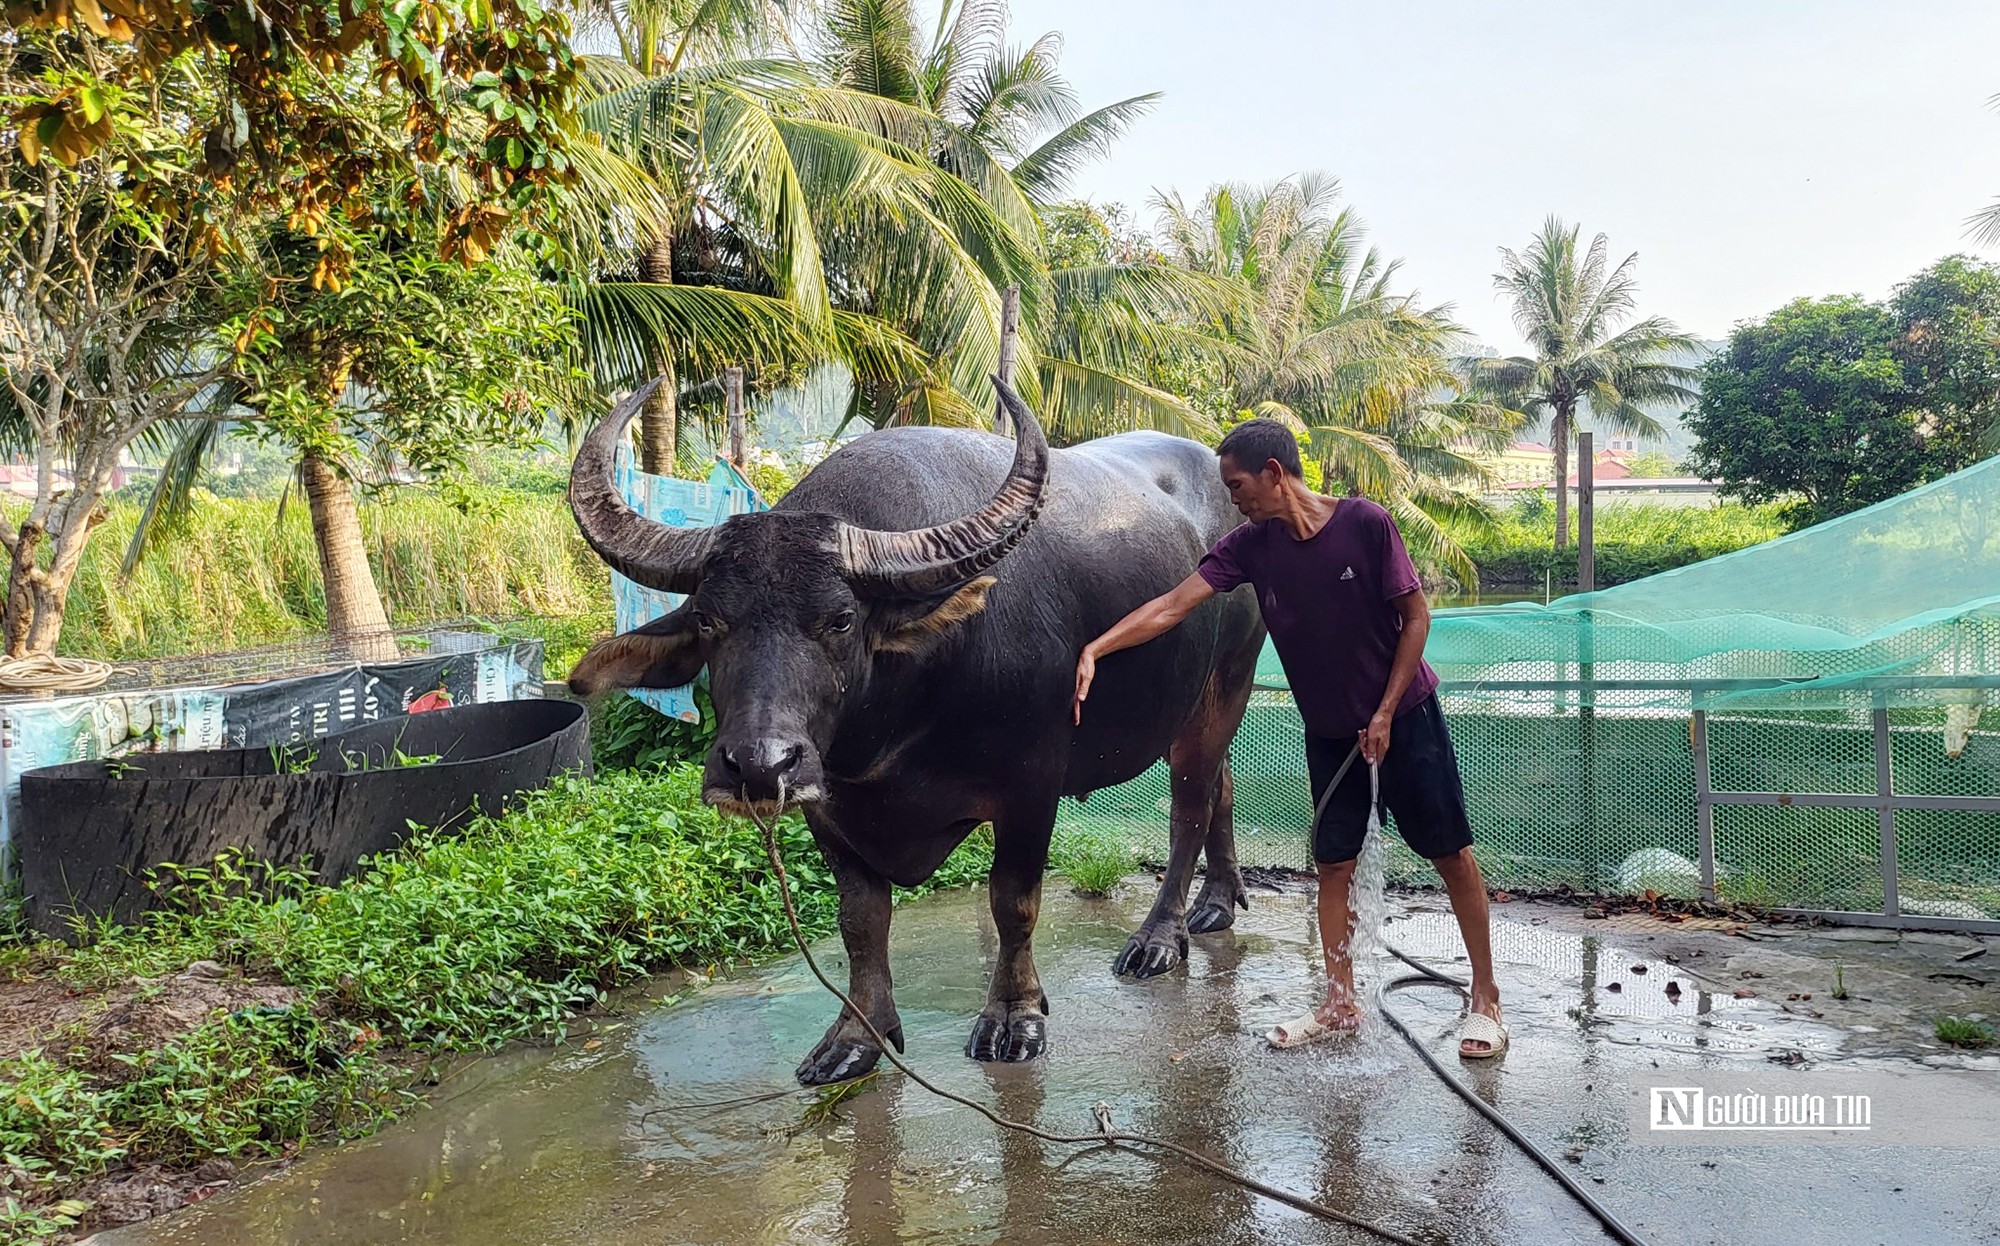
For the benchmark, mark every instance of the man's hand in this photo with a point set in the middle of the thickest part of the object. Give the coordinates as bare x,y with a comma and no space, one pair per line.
1086,670
1136,628
1375,738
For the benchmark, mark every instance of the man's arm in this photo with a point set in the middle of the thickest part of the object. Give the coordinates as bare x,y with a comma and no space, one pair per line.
1409,658
1136,628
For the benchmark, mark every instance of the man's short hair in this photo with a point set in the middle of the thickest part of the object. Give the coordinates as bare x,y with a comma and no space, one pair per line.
1254,443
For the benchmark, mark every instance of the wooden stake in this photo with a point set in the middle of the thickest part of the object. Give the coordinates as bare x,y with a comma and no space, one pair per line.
1010,334
1586,498
732,384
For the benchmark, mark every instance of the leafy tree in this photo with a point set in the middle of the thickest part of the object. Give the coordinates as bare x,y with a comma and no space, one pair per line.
150,147
484,90
1569,302
1327,344
864,207
1652,464
414,363
103,306
1948,326
1810,405
1077,233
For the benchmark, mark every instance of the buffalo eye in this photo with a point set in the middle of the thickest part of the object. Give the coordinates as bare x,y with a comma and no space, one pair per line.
704,625
841,623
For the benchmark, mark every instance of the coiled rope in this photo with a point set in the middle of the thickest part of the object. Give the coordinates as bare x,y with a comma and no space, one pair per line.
45,672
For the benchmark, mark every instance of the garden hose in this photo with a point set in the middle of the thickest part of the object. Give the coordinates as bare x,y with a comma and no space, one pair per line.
1106,1135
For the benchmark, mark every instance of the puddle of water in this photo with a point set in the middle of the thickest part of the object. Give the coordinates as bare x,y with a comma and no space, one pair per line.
662,1134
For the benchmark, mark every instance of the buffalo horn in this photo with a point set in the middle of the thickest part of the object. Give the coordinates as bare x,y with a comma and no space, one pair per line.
645,552
933,560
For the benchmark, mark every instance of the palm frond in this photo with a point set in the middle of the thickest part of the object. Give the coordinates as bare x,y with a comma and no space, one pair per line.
1079,402
1043,174
189,444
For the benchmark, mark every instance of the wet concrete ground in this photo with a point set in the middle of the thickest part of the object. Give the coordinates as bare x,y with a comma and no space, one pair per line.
602,1144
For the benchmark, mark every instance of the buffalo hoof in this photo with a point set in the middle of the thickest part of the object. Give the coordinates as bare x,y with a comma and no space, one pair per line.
1010,1032
1209,918
1215,908
1150,954
843,1056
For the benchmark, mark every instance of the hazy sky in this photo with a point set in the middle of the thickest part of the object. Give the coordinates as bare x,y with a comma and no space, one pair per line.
1751,151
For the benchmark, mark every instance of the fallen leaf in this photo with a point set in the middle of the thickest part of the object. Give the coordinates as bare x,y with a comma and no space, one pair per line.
1746,993
1178,1056
593,1045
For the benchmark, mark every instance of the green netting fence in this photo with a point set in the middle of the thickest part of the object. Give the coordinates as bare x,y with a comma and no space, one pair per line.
1812,723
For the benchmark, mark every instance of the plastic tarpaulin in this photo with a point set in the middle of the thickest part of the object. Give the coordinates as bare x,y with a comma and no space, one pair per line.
678,504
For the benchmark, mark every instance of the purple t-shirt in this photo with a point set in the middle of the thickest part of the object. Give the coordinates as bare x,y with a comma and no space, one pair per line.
1327,602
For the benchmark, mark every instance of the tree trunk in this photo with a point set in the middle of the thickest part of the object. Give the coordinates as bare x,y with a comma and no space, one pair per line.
354,614
38,596
1559,437
659,418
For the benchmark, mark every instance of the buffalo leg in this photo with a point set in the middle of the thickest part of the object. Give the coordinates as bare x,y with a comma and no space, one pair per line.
1196,762
848,1050
1222,890
1014,1025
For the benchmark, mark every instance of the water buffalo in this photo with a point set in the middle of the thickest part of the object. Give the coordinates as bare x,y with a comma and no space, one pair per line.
892,648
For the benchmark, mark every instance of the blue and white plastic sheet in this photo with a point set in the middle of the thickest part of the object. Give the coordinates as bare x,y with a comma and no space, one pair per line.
677,504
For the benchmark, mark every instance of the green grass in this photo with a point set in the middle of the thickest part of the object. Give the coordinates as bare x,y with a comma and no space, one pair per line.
1633,539
1964,1032
450,944
1094,862
236,577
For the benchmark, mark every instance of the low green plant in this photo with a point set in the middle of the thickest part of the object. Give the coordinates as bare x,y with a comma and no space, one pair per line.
27,1224
292,759
450,943
626,733
360,760
1094,863
53,1118
1839,981
251,1082
1965,1032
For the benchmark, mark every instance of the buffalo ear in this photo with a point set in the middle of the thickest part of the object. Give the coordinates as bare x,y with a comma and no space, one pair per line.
665,653
915,629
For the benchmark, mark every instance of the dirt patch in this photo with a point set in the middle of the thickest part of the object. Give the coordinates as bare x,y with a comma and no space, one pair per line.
134,1194
84,1027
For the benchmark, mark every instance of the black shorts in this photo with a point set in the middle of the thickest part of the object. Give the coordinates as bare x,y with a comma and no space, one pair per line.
1420,786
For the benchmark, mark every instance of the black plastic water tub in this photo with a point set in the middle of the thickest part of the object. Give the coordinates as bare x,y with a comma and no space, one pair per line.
90,829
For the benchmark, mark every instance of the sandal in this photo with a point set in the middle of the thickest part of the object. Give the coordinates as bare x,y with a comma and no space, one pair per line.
1480,1028
1306,1030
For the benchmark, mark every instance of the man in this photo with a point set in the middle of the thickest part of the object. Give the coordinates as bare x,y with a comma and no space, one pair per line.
1347,613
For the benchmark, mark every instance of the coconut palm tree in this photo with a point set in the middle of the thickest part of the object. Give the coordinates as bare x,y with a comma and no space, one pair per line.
1365,373
1006,121
1569,302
